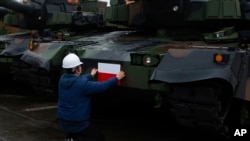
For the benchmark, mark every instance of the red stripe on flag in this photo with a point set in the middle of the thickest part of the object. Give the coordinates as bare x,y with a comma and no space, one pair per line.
104,76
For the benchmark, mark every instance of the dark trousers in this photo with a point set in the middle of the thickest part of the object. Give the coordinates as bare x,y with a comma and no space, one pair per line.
91,133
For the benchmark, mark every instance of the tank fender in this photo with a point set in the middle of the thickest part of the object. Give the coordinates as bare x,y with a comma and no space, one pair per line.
182,65
236,71
15,47
44,55
36,60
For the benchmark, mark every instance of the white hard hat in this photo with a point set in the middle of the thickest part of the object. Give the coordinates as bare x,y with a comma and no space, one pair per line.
71,61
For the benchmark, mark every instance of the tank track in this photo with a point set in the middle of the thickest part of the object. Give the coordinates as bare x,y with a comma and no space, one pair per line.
202,105
42,82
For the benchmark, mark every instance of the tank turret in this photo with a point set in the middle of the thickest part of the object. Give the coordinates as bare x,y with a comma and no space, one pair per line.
53,14
179,17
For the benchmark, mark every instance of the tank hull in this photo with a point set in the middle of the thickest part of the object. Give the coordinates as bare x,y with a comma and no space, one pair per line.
204,81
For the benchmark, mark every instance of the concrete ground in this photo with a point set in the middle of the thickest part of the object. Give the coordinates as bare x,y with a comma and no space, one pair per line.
16,127
23,120
24,117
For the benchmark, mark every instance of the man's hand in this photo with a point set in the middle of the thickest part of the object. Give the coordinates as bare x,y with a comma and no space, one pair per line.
120,75
93,72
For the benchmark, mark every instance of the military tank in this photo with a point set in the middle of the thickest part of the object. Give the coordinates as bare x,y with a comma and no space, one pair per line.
55,25
199,50
162,46
204,63
7,32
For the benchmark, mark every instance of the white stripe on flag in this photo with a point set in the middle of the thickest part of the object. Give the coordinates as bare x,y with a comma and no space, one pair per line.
109,68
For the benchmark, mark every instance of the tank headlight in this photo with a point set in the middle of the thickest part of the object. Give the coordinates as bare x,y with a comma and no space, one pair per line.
148,60
6,45
144,59
175,8
33,45
221,58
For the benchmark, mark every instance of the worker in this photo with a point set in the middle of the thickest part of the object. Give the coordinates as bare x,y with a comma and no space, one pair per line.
74,99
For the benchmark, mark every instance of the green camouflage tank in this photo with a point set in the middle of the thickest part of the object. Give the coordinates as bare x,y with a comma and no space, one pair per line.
180,53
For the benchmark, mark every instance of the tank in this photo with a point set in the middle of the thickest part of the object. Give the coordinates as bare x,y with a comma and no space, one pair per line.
6,33
204,62
191,56
199,50
54,26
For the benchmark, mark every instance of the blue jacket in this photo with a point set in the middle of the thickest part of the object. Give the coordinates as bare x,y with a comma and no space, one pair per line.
74,106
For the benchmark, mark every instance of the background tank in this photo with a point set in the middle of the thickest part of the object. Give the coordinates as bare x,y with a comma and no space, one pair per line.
53,14
6,32
53,25
161,47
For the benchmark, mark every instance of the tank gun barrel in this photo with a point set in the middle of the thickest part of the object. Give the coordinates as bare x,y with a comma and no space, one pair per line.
3,10
18,5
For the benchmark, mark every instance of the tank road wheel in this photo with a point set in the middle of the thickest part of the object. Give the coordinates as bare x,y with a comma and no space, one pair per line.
20,75
239,115
44,82
202,105
20,71
245,112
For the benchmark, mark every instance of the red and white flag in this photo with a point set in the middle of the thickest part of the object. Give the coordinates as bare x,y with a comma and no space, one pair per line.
107,70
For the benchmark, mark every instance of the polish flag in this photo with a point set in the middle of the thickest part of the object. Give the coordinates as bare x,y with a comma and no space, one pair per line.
107,70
